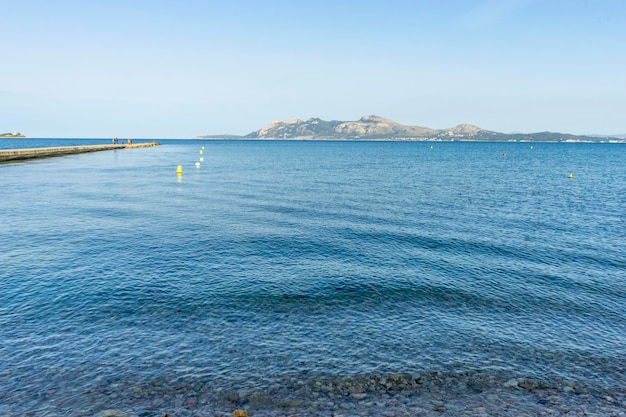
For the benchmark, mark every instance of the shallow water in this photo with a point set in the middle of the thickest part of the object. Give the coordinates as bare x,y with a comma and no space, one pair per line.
276,267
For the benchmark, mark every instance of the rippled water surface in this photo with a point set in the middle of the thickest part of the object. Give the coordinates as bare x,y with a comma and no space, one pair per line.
308,260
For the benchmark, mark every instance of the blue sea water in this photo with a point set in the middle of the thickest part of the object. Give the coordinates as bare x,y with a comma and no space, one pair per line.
298,261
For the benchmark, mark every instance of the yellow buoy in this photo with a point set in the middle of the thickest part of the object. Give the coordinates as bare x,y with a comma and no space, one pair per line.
179,169
201,150
571,176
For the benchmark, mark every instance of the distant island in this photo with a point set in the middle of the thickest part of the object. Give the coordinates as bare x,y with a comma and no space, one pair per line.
12,135
379,128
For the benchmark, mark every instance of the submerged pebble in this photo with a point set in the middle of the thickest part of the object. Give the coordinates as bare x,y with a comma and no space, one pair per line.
432,394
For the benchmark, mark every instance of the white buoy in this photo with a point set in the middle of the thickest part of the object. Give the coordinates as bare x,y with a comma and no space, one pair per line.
201,159
197,164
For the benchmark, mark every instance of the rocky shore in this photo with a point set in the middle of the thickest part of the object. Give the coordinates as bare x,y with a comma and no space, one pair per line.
435,394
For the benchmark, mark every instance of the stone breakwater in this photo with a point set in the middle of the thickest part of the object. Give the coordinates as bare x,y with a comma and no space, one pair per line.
11,155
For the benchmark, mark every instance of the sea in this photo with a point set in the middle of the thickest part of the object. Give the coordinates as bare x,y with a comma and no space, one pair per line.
314,278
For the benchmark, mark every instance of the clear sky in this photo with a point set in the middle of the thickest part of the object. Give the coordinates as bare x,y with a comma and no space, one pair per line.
178,69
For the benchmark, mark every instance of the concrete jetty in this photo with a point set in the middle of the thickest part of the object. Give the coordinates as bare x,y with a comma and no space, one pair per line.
9,155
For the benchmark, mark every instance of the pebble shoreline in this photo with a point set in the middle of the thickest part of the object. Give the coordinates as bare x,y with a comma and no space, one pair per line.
387,396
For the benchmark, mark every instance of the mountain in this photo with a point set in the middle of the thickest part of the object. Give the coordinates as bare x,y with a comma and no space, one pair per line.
367,127
378,128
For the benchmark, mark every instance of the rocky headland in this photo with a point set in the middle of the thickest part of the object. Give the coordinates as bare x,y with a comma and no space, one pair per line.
374,127
12,135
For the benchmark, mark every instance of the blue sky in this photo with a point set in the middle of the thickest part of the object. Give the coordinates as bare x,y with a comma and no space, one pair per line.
177,69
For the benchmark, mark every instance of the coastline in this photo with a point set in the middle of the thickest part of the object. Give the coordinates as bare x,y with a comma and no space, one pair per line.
403,139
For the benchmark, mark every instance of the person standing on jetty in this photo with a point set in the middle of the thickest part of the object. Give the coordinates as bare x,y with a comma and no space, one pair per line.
114,141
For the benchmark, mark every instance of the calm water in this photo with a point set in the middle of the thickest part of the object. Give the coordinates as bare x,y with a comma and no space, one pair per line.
295,261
